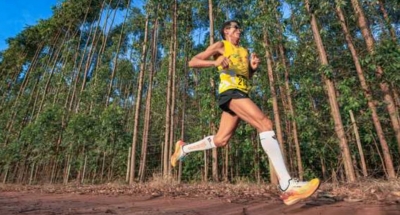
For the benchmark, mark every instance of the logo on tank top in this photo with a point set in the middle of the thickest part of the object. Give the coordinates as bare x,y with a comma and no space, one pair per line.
241,94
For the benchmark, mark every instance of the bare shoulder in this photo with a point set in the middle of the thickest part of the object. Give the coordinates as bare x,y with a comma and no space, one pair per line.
219,44
217,49
216,45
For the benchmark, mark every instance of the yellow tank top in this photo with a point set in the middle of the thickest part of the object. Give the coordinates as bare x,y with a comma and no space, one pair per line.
237,75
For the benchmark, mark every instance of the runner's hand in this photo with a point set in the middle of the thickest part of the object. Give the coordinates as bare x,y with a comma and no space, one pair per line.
254,61
222,61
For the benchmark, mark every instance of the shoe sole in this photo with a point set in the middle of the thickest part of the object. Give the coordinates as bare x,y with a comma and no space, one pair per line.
298,198
174,161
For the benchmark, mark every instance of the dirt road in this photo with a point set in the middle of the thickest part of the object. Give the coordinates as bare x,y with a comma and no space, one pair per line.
28,203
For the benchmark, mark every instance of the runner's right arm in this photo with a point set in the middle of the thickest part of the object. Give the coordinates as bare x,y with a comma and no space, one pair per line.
202,60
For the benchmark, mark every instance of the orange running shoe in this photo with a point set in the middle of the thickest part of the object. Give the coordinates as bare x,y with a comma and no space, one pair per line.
299,190
178,154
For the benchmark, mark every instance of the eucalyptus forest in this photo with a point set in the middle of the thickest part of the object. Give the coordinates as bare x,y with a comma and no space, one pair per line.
101,91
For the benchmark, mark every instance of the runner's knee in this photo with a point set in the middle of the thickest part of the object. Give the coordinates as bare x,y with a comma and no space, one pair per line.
220,141
264,124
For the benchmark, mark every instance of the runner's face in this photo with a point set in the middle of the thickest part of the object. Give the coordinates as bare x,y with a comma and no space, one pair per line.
234,30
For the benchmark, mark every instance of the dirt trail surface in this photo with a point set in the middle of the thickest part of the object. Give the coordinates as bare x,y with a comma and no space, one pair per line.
185,201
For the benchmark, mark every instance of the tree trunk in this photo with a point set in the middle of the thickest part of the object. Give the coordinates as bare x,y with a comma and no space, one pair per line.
274,103
128,164
226,163
115,64
397,101
77,71
138,104
103,164
367,92
256,158
31,174
167,149
67,169
359,146
147,119
84,170
167,144
387,21
89,58
212,124
173,84
369,41
184,96
289,100
46,88
11,121
339,129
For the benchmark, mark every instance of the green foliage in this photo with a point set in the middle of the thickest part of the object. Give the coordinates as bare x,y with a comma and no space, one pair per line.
81,131
388,56
41,136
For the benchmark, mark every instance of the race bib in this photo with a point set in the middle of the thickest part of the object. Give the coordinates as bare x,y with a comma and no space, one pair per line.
229,80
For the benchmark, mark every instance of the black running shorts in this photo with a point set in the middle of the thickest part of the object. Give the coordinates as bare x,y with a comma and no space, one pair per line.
225,97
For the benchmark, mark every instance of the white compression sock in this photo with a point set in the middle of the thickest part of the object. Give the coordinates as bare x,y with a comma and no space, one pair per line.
271,147
204,144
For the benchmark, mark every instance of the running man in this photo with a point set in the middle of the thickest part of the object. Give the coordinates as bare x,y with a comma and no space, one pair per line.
235,69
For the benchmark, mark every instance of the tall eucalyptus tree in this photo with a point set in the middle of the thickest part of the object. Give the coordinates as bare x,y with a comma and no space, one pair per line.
138,103
385,88
331,91
367,92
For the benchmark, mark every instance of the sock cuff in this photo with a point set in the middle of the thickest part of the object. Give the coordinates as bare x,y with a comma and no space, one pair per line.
210,139
266,134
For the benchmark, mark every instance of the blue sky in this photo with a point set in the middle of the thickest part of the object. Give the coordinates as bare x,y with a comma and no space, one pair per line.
16,15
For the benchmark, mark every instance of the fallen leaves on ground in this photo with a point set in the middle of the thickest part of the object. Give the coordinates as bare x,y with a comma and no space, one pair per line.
388,191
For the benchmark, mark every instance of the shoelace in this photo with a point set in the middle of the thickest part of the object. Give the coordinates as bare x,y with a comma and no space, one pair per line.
292,180
295,181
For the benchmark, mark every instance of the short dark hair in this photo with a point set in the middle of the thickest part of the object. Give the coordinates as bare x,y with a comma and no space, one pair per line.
226,24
